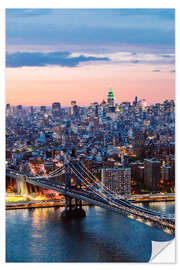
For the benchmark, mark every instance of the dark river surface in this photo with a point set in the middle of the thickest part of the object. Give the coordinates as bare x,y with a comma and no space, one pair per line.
41,235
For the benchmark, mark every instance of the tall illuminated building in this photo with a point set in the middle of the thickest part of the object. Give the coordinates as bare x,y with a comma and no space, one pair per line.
74,108
31,109
43,109
110,101
19,109
8,109
56,108
117,180
152,174
110,98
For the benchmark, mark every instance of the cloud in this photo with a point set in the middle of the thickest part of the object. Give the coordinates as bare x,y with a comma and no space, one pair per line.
156,70
135,61
31,59
168,56
16,12
134,58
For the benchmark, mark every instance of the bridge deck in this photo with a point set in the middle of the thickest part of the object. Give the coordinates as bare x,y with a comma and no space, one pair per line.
118,206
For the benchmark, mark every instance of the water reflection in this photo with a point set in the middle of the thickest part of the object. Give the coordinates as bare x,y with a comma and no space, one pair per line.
102,236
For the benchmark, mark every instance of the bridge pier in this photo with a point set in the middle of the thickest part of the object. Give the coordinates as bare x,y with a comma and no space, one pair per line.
70,211
73,212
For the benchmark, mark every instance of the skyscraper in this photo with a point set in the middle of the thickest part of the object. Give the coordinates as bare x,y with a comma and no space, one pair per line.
135,101
19,109
31,109
110,101
110,98
56,108
43,109
152,174
8,109
74,108
117,179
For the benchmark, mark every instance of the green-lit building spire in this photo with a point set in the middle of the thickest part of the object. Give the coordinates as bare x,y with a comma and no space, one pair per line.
110,93
110,97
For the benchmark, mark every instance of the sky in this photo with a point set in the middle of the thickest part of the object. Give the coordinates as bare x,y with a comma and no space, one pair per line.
59,55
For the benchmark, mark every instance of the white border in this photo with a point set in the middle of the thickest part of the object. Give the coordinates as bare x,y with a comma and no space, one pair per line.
73,4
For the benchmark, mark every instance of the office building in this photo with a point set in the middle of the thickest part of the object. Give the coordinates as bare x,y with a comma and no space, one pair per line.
152,174
43,109
117,179
56,108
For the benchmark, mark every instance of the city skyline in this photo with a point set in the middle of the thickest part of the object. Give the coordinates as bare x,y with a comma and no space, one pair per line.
103,100
60,55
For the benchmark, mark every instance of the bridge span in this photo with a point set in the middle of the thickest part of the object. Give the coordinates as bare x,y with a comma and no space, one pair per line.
86,188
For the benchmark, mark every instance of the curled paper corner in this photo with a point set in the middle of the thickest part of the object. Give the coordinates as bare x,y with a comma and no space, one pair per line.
163,252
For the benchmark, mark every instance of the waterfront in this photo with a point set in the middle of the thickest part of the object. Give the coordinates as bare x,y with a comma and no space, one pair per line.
40,235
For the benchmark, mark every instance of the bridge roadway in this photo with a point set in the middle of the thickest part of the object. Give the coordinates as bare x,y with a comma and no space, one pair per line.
116,205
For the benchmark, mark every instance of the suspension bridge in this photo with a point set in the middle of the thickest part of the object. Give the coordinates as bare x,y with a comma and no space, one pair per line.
76,182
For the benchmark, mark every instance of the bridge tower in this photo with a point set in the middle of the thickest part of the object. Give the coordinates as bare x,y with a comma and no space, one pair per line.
72,210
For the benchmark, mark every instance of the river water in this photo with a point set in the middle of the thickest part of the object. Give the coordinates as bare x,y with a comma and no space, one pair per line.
40,235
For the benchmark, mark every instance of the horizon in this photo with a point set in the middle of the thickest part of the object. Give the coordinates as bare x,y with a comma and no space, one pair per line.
67,106
57,54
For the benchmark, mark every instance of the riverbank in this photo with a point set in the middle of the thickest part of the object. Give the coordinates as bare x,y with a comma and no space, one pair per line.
37,204
22,203
154,198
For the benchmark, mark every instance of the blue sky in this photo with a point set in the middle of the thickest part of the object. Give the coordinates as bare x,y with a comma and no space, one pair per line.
83,30
76,49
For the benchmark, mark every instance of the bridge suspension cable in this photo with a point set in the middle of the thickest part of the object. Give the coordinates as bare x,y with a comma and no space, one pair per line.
110,200
89,185
111,192
56,171
91,176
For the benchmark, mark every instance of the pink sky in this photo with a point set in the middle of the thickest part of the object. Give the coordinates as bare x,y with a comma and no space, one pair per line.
88,83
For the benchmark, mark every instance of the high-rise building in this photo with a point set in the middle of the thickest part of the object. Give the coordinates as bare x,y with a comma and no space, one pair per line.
137,170
19,108
31,109
152,174
74,108
165,173
8,106
110,98
172,170
8,109
56,108
43,109
135,100
117,179
73,103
